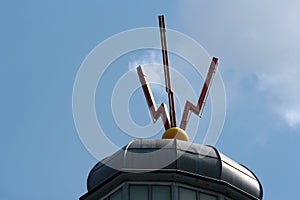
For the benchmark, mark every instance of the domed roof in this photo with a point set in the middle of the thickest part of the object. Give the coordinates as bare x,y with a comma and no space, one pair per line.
144,156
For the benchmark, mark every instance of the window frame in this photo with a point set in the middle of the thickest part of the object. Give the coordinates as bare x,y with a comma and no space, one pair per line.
173,186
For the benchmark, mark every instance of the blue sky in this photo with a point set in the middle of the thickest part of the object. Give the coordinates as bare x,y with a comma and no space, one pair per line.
43,44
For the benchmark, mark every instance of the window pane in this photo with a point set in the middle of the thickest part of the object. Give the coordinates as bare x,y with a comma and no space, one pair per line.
116,196
138,192
161,193
207,197
186,194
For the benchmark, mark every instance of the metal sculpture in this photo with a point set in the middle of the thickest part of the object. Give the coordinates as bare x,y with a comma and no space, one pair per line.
169,118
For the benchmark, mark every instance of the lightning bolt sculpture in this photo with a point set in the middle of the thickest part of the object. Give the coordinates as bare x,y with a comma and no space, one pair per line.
162,110
169,118
196,109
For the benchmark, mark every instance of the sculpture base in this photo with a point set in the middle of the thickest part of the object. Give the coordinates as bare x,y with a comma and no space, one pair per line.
175,133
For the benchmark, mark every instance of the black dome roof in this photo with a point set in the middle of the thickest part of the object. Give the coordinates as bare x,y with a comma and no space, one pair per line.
171,155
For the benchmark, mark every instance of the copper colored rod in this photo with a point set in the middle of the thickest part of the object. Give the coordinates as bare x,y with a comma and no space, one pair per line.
169,90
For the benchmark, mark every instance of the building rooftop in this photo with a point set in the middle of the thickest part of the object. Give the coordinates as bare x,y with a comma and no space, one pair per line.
179,161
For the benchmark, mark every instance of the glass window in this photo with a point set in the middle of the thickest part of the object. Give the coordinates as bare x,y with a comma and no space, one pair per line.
207,197
116,196
186,194
160,192
138,192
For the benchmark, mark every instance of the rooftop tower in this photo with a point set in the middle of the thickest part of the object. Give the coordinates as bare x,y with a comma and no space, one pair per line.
171,168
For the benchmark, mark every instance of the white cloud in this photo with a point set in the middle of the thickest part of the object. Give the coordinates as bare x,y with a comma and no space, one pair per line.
254,37
283,88
292,117
151,64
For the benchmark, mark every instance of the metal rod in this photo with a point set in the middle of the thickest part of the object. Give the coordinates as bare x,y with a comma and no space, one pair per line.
169,90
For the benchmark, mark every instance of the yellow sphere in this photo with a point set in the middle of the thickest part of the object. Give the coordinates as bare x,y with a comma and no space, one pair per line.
175,133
